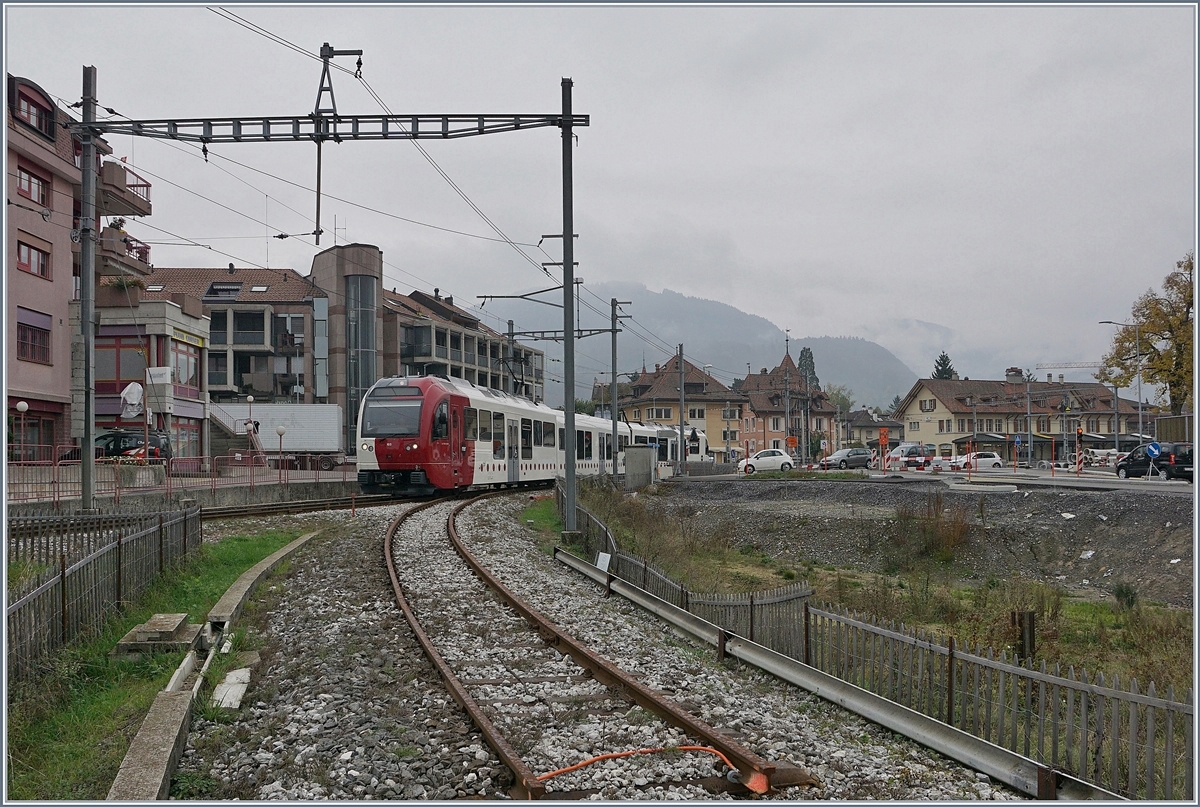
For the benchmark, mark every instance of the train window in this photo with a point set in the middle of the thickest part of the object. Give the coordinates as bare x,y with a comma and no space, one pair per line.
562,439
624,442
441,422
641,441
607,446
391,418
498,435
471,422
485,424
537,432
583,445
526,439
548,435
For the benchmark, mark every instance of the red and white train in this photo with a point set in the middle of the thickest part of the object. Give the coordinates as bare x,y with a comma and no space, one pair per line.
420,435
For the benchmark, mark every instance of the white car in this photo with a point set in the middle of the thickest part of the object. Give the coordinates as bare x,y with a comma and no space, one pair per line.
946,464
769,459
980,460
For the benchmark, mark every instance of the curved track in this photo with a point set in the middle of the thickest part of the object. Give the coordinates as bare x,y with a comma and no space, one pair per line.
489,648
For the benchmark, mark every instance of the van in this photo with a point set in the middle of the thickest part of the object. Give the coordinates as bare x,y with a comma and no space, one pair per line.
912,455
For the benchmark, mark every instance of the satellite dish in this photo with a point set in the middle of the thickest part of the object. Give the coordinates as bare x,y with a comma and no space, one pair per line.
45,214
76,236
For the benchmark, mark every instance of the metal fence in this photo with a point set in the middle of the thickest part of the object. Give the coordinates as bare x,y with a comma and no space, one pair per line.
59,480
67,600
1134,742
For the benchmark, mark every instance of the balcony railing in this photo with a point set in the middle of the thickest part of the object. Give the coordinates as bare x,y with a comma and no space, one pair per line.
440,351
249,337
218,378
456,355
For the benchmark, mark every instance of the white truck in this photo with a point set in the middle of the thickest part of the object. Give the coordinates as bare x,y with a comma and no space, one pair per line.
309,430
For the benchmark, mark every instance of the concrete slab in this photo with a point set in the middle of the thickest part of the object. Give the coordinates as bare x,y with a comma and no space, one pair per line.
130,645
230,606
145,773
161,628
228,694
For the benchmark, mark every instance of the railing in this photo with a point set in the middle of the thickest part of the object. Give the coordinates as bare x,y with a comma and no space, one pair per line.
1132,742
249,337
136,185
58,482
456,355
65,603
439,351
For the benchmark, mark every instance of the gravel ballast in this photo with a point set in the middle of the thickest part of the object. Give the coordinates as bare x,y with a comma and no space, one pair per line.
345,706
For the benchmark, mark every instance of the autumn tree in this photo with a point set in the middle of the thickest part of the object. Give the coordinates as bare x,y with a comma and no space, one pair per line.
1161,326
840,396
942,368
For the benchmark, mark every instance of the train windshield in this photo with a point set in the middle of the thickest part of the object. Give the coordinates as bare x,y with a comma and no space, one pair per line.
391,417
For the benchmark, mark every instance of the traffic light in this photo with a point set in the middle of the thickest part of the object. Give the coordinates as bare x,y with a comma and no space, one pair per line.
1079,431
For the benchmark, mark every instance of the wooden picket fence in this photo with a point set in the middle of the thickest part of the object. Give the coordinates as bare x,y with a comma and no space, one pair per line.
74,598
1135,743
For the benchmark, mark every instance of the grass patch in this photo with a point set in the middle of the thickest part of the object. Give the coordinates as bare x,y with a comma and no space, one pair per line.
545,522
69,731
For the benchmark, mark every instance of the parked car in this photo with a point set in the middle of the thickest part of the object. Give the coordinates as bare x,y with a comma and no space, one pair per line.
946,463
847,458
912,455
1174,462
769,459
124,443
980,460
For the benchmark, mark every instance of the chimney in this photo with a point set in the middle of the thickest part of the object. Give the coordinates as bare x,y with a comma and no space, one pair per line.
656,367
1060,378
954,375
1049,377
449,300
1014,375
764,371
436,295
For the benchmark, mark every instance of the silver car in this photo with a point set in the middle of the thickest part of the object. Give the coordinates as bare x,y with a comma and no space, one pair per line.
847,458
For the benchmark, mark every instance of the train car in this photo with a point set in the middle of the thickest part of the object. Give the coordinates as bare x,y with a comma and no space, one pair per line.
418,436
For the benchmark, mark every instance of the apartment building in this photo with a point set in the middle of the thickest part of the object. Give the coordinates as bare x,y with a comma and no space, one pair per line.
863,426
781,395
950,413
708,405
159,345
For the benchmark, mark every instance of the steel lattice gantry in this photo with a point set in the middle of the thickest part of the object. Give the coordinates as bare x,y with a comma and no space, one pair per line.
323,128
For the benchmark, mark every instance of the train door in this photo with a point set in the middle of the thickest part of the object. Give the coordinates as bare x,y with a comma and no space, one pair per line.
514,451
458,445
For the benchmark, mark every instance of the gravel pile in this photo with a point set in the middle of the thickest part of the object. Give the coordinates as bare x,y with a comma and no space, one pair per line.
344,705
1083,541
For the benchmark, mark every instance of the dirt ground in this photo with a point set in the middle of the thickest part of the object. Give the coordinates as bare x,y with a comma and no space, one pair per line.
1083,541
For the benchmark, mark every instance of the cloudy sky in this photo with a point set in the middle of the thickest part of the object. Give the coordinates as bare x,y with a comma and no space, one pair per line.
989,181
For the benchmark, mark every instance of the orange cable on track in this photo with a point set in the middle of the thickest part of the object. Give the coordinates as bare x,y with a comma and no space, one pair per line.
621,754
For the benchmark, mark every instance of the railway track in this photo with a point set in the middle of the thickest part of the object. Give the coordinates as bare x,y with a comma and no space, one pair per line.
521,679
299,506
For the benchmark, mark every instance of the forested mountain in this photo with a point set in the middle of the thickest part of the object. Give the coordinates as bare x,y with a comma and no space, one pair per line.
711,332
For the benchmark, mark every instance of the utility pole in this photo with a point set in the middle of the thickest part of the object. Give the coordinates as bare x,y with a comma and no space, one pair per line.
682,437
612,393
87,289
568,236
509,353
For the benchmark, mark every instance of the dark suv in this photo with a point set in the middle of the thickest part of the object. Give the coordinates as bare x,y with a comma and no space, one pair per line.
122,443
1174,462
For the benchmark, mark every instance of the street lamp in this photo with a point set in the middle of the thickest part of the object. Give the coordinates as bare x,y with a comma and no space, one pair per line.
1137,336
250,423
281,432
22,408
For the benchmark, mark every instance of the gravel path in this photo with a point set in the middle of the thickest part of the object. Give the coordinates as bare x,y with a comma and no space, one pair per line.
344,705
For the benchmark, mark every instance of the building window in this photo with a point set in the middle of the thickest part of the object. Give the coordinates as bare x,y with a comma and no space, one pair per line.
185,359
35,114
119,360
962,424
33,344
729,435
776,425
32,186
659,413
33,260
914,425
929,405
819,424
732,414
696,413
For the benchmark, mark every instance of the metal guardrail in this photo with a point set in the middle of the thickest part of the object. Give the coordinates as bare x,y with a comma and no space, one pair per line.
1018,772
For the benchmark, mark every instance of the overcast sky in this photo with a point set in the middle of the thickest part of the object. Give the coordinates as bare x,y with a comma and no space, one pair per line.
988,181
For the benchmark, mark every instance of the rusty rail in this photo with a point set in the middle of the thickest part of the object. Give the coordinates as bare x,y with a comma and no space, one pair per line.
755,771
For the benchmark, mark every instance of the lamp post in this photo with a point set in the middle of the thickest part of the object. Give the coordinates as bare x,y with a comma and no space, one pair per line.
281,432
22,408
250,424
1137,341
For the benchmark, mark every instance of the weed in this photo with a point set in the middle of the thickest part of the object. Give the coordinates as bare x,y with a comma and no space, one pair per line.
1126,595
192,785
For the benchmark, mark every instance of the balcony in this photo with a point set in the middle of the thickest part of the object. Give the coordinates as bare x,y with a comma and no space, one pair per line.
121,192
256,339
218,378
119,254
289,344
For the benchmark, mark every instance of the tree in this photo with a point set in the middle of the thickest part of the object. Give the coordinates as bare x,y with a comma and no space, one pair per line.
1161,326
583,407
942,368
1029,376
894,409
840,397
808,368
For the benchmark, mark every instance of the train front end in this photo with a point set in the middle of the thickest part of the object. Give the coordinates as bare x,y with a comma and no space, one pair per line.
393,438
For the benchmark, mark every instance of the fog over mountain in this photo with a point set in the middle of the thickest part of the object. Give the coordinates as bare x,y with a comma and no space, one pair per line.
711,332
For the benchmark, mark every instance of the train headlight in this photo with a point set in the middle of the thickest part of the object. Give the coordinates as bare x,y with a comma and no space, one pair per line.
368,447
